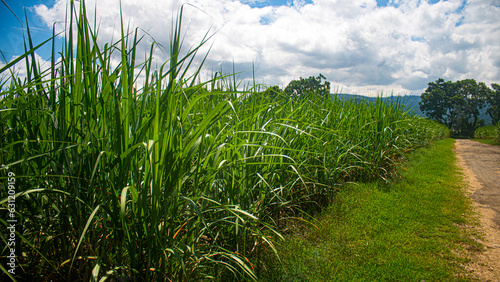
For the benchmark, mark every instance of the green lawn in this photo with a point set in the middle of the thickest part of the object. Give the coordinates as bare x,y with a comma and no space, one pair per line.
402,230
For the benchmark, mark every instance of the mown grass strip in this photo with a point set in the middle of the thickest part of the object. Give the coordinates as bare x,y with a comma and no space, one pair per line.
408,229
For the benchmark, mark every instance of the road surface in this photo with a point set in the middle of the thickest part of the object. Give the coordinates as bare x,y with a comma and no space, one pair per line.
481,166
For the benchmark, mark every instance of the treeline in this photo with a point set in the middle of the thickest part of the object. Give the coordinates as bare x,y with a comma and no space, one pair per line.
458,104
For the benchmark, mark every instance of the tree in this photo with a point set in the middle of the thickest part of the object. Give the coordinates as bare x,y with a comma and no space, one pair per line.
273,92
437,101
493,100
309,85
469,98
455,104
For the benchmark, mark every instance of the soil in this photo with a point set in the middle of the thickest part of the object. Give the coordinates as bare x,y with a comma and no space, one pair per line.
481,166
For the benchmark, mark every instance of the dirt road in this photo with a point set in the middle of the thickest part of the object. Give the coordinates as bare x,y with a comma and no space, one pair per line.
481,166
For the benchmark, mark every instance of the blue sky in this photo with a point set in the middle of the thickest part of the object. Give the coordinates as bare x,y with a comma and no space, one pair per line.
273,3
276,3
12,29
362,46
263,3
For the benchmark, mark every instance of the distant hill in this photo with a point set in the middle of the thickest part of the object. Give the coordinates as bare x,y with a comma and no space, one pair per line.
410,103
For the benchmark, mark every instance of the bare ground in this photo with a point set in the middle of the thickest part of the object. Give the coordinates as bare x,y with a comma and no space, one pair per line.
481,166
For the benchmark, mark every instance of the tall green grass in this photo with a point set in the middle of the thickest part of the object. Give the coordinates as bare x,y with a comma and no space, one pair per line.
172,178
488,132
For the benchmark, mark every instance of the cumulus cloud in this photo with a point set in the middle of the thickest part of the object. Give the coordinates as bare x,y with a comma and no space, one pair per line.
359,46
19,70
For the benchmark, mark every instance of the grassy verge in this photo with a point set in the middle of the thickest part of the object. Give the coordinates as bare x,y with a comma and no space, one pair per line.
405,230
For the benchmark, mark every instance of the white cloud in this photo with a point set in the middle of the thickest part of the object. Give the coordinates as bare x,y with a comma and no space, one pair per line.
358,46
19,69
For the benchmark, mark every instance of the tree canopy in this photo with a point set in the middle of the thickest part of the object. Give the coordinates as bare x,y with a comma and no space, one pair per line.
308,85
273,91
458,104
493,100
